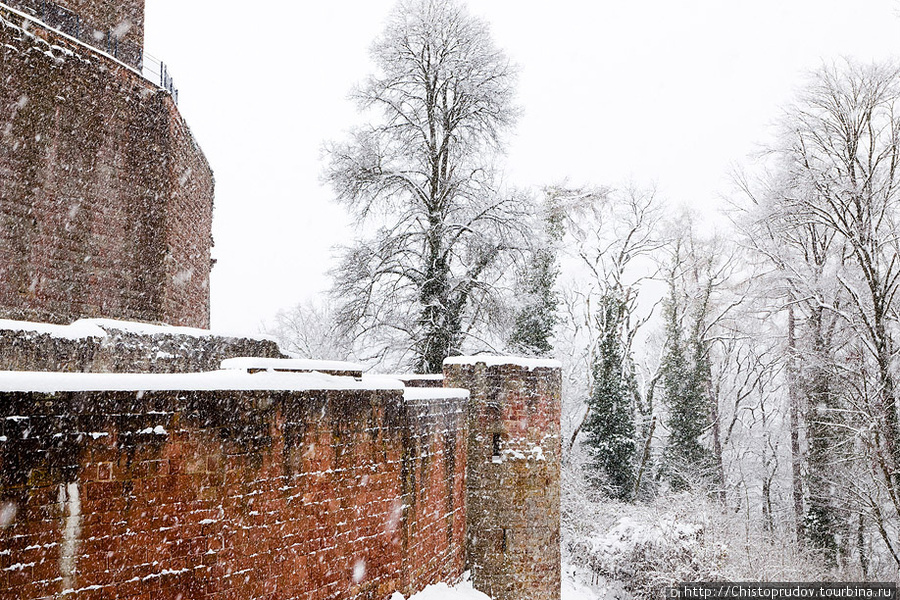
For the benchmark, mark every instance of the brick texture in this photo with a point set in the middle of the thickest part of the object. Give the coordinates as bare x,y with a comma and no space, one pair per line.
124,351
230,495
105,197
113,27
513,505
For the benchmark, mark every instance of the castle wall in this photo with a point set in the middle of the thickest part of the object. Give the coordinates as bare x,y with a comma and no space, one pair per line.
214,494
513,475
105,197
116,28
107,346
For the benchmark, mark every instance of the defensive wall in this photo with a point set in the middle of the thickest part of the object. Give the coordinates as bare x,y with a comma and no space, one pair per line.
105,196
228,485
513,474
272,478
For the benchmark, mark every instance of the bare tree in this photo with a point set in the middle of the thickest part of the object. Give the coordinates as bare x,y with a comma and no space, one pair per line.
434,226
610,235
308,331
830,215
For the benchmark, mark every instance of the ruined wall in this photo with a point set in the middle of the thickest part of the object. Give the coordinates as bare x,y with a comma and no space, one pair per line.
105,197
107,346
513,504
345,493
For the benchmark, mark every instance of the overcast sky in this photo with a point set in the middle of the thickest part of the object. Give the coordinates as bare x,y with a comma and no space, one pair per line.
647,91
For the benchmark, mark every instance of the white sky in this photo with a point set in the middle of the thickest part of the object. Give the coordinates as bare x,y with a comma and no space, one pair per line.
648,91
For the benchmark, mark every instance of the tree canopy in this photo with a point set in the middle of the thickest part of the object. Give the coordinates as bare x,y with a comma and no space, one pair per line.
433,225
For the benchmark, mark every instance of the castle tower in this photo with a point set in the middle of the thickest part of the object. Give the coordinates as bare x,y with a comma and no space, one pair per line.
105,196
513,474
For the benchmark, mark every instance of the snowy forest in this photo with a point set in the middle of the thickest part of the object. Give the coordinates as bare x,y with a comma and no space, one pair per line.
730,394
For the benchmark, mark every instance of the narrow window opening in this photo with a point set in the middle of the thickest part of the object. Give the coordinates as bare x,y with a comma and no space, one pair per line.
495,446
503,541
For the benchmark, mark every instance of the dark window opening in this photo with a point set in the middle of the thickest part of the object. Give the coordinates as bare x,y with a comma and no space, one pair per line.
496,445
503,541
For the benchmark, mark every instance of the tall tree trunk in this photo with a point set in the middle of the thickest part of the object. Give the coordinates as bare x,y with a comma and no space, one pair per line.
717,440
794,414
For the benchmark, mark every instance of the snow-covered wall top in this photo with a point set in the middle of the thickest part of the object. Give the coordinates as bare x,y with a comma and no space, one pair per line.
104,345
491,360
85,328
232,380
333,367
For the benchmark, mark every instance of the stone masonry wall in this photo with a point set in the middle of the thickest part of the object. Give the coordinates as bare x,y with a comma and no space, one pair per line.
105,197
513,473
114,27
106,346
225,495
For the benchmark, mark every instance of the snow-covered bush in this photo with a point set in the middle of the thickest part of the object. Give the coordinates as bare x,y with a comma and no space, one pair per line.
635,550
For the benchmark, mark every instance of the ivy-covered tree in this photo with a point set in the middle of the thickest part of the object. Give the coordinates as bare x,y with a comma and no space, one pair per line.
609,426
538,312
535,320
685,373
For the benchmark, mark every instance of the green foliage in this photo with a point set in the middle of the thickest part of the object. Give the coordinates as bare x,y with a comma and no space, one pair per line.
536,320
685,376
609,426
822,522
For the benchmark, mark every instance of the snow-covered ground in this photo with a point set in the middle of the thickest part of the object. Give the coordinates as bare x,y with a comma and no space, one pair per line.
572,589
441,591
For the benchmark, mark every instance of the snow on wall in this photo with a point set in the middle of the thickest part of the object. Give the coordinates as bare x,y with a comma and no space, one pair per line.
105,345
513,475
96,19
105,197
343,493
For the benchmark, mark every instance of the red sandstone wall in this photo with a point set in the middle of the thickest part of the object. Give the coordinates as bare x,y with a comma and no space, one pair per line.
105,198
234,495
100,23
125,17
513,479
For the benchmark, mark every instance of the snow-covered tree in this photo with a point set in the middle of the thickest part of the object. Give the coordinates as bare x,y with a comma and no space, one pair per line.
435,228
609,238
308,330
609,426
826,217
536,294
684,380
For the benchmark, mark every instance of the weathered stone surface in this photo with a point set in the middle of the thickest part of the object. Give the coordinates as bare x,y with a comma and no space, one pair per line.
114,27
217,494
105,197
513,478
122,347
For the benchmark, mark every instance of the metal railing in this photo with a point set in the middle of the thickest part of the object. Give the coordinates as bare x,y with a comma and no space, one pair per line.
158,72
69,22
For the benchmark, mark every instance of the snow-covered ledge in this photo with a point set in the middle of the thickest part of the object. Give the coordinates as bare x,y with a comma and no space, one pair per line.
493,360
253,364
224,380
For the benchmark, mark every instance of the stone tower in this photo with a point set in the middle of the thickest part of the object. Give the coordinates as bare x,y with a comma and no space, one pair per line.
105,196
513,474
